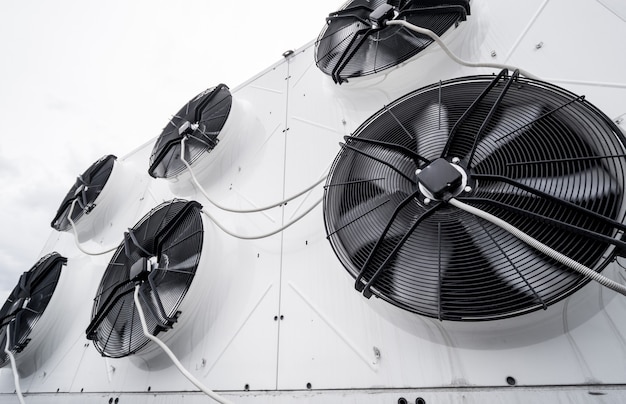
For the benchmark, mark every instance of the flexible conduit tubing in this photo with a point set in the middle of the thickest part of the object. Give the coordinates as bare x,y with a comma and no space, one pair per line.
533,242
173,357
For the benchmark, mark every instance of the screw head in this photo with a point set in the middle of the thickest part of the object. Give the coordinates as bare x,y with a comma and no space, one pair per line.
493,54
456,160
418,171
467,189
427,201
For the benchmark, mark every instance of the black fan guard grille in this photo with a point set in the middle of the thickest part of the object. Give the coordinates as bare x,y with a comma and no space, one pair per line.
535,155
85,191
28,301
173,234
201,121
353,45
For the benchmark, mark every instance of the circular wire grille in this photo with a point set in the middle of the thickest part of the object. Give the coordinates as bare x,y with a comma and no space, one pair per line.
28,301
356,43
534,155
201,121
84,191
161,254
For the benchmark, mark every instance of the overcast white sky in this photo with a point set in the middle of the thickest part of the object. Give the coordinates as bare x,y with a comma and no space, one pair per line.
82,79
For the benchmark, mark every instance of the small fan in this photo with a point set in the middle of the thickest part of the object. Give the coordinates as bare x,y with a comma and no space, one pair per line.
356,42
160,253
27,303
201,121
85,191
533,154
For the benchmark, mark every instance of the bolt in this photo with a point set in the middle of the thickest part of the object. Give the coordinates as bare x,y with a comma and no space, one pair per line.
418,171
456,160
493,54
539,45
468,189
426,201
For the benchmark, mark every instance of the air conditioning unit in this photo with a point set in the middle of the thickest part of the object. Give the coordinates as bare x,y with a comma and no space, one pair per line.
405,227
30,315
103,201
215,129
167,255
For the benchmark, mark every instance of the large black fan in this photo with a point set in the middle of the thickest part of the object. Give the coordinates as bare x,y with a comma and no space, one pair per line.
356,42
85,191
28,301
528,152
161,254
201,121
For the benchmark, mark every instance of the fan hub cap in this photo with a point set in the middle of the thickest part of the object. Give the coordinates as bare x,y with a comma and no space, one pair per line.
382,13
140,270
441,180
186,128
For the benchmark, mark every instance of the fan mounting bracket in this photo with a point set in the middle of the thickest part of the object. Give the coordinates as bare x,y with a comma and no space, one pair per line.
20,347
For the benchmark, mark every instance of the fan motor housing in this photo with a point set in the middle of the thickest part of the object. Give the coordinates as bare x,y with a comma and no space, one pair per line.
440,178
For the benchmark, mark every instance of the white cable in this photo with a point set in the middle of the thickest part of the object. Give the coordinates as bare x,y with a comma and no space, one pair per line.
577,266
16,375
460,61
227,209
225,230
173,357
69,218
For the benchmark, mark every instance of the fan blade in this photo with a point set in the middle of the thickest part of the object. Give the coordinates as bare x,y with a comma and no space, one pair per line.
187,266
369,158
592,184
383,49
152,306
24,322
412,277
513,124
582,187
505,271
337,40
362,225
431,130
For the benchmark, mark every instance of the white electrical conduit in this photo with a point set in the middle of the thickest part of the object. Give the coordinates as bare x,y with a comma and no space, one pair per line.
460,61
16,376
244,237
69,218
227,209
577,266
173,357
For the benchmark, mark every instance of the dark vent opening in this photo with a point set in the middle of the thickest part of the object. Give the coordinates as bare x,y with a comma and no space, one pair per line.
356,42
531,153
161,254
200,121
28,301
85,191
